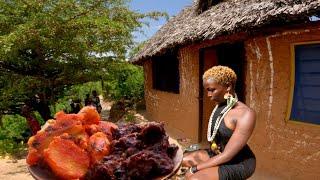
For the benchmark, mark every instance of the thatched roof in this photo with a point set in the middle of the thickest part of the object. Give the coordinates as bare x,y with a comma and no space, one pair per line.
226,17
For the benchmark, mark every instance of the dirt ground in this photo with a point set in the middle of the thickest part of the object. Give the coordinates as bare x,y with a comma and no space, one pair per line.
16,169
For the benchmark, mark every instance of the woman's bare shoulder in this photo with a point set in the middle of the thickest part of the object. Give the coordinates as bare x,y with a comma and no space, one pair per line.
244,111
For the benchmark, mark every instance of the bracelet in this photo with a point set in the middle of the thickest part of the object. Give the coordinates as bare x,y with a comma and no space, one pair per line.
193,169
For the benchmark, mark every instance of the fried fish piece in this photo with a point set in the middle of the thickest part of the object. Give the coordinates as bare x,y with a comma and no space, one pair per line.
108,128
72,124
39,142
90,115
66,159
98,146
61,115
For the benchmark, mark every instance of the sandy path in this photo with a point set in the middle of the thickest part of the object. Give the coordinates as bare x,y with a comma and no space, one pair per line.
14,170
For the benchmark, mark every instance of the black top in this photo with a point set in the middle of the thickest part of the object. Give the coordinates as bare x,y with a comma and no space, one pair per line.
243,164
224,134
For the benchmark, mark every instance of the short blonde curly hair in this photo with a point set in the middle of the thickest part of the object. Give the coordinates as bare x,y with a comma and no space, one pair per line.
223,75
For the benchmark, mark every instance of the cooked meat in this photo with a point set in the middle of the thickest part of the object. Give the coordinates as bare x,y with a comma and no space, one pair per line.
90,115
148,164
110,168
66,159
39,142
108,128
99,146
126,129
140,152
80,146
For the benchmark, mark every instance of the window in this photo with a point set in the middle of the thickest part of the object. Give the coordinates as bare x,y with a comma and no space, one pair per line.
306,96
165,73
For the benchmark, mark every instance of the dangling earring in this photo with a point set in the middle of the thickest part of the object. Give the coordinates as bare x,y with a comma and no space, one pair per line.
227,96
230,99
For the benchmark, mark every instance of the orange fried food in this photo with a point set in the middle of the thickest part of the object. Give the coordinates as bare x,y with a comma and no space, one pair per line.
103,126
33,156
107,128
81,139
66,159
90,115
98,147
61,115
39,142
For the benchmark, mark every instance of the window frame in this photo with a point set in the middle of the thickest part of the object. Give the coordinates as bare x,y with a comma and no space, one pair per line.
292,83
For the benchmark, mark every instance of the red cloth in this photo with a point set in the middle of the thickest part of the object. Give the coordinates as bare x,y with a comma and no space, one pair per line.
33,125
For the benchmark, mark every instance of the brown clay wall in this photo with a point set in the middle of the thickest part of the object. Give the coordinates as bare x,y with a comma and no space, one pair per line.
283,148
179,112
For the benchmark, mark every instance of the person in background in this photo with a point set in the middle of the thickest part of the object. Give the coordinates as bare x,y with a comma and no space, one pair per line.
87,100
75,105
96,101
41,104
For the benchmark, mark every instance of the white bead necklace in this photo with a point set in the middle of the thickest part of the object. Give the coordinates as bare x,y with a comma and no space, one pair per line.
223,113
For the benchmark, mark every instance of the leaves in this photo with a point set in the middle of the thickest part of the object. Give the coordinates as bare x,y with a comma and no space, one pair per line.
125,81
55,44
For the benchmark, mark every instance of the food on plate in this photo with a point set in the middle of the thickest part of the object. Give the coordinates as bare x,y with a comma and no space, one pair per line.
81,146
138,152
45,148
98,147
66,159
90,115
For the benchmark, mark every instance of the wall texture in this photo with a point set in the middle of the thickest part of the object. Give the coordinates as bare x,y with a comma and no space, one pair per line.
284,148
179,112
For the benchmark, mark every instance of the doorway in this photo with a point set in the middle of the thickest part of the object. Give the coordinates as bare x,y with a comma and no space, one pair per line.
231,55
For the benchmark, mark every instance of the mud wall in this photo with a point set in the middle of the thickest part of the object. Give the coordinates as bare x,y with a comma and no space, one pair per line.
283,148
179,112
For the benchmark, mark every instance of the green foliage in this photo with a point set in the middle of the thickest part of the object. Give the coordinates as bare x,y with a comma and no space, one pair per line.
14,89
14,130
136,49
73,93
39,118
13,134
129,117
48,46
124,81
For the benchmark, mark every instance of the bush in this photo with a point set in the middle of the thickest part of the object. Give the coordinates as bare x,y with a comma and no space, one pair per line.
125,81
14,133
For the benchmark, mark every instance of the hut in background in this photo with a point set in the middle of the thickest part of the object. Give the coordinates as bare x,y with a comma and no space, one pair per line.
274,47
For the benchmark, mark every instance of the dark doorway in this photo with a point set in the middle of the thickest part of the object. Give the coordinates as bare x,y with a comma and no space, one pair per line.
231,55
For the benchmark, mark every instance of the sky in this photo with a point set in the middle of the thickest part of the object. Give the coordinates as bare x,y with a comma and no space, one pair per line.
172,7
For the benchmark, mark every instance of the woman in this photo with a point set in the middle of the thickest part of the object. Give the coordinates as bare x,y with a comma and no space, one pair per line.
230,127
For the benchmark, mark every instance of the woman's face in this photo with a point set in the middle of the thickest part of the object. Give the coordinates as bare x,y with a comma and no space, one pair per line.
215,91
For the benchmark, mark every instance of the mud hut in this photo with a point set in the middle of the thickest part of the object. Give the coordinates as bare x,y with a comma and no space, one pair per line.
274,47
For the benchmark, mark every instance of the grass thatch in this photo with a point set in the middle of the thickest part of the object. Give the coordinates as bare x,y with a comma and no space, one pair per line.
224,18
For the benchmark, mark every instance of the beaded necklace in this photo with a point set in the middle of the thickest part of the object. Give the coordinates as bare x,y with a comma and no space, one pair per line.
230,103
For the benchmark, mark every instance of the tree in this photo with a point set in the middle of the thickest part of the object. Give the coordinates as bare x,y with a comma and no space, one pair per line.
46,46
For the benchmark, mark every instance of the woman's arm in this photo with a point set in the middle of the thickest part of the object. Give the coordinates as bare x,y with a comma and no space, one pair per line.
238,140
